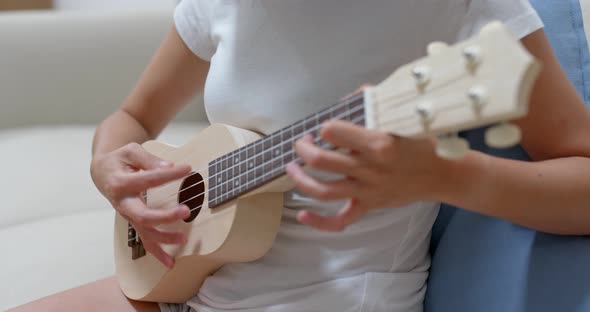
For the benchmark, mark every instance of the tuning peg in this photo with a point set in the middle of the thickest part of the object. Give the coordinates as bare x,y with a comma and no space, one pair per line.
422,75
452,147
437,47
425,112
478,97
472,55
503,135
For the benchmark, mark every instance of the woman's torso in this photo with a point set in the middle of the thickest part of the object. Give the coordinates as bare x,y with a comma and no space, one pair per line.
278,61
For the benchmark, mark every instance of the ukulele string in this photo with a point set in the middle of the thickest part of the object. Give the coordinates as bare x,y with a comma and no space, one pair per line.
315,128
323,145
347,101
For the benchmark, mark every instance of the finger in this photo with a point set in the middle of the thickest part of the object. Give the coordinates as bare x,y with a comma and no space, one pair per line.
350,214
321,159
332,190
140,214
347,135
159,253
139,158
143,180
357,91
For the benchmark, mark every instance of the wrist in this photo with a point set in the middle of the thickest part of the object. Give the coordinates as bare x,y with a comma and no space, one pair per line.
461,178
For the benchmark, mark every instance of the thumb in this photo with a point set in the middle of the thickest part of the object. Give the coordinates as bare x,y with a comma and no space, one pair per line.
142,159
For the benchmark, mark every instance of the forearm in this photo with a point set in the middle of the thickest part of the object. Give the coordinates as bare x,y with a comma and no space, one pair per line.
551,196
117,130
174,76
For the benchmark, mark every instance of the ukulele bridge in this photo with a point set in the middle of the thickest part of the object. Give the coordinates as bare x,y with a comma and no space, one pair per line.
134,242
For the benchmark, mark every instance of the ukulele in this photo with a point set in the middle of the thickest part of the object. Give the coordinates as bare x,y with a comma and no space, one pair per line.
236,193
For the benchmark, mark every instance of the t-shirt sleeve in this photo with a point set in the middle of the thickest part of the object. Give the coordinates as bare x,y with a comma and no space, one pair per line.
518,15
193,23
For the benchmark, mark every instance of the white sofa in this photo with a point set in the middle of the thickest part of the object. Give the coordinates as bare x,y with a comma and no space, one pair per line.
60,74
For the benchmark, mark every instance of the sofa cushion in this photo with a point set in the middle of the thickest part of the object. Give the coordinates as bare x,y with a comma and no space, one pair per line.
56,229
52,254
485,264
45,171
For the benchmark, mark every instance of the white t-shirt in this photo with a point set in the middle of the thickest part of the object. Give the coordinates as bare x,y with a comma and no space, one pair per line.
274,62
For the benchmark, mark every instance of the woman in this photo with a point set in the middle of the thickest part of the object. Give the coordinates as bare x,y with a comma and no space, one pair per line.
268,63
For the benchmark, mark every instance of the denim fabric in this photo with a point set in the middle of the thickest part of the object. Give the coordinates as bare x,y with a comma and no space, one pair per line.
485,264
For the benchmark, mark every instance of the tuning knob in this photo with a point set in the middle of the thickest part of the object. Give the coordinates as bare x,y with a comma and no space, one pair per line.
503,135
452,147
472,56
422,75
437,47
425,112
478,98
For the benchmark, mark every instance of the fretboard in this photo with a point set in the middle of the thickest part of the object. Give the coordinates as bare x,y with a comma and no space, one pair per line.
263,161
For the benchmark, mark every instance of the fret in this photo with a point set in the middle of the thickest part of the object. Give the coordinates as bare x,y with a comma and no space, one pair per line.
219,179
316,118
287,146
236,172
348,110
259,162
267,149
309,126
251,165
324,116
297,130
230,175
258,153
277,159
212,179
243,169
341,112
357,112
225,177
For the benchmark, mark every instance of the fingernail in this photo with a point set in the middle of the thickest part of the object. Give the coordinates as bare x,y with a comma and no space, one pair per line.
165,164
301,215
170,263
183,211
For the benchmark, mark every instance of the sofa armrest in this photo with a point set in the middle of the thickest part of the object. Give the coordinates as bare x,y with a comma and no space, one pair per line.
59,67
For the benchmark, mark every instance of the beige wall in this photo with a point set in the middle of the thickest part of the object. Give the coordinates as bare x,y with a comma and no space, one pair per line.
25,4
108,4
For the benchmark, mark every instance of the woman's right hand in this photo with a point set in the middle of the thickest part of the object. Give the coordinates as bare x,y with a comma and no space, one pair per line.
123,175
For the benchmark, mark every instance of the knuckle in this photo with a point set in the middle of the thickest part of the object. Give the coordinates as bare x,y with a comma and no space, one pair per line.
115,186
383,146
140,218
130,149
316,158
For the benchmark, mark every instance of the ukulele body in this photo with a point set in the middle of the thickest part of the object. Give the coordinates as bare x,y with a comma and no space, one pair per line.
240,230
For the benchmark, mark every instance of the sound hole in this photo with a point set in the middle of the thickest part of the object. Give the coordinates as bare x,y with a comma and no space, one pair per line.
192,194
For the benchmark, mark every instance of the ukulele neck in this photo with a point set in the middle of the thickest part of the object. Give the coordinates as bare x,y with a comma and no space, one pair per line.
263,161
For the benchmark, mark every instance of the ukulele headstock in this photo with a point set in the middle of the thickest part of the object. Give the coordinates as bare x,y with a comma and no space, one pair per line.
484,80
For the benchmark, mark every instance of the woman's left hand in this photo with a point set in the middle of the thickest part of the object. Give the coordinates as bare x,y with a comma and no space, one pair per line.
380,171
